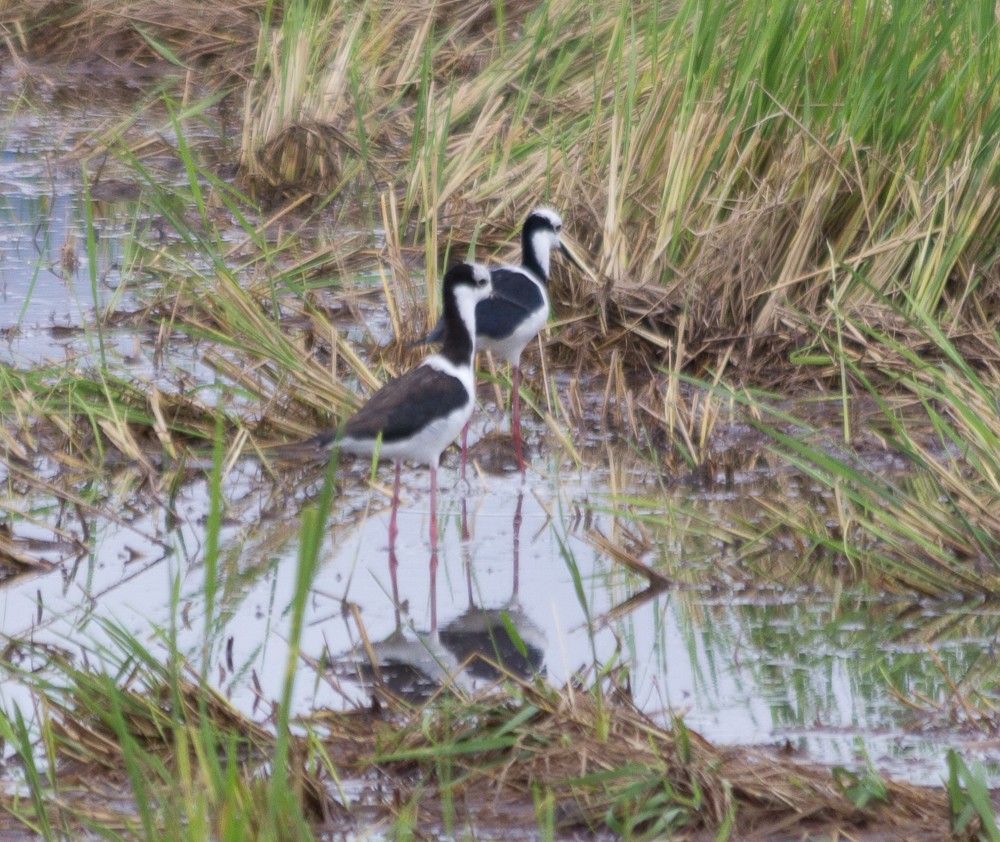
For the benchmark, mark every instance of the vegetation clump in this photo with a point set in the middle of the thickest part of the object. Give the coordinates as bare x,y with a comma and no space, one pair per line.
547,760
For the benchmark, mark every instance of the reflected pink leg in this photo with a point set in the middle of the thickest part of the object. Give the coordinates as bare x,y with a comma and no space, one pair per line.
517,542
393,528
515,415
466,560
394,578
434,524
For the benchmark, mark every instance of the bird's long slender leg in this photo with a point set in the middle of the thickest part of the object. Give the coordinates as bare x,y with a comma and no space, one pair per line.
515,415
434,524
517,543
465,445
393,527
434,549
433,566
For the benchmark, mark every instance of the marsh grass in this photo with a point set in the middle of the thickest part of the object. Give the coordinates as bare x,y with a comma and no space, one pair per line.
95,412
888,482
712,175
720,167
213,35
733,193
142,719
180,759
192,765
931,529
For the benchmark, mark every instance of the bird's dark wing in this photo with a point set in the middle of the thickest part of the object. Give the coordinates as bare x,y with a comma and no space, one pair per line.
404,405
514,297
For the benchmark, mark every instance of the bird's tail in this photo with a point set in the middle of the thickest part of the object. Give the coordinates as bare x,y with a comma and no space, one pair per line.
436,335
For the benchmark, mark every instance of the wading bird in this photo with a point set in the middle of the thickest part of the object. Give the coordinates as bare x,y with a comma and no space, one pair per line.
418,414
509,320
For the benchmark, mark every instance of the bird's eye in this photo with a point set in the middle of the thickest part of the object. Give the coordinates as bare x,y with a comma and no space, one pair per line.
558,228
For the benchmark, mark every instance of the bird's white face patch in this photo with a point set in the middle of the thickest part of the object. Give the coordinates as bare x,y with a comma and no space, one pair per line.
480,273
467,297
543,242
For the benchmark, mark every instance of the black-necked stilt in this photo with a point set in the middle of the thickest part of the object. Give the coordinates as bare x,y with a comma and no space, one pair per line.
508,321
418,414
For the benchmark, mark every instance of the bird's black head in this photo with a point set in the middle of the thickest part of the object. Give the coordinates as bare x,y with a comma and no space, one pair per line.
474,276
540,235
542,221
463,287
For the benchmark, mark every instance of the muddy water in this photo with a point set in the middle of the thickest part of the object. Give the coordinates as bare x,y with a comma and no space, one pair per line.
846,679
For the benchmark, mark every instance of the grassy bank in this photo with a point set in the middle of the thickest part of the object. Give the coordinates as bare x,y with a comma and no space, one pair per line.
732,169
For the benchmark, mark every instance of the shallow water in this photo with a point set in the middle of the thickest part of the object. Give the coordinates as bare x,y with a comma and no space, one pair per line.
744,662
41,232
791,669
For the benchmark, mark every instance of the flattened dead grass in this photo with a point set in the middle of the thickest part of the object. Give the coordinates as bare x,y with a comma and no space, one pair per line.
605,762
599,760
218,36
725,212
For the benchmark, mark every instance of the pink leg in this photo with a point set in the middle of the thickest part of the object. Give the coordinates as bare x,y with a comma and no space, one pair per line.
434,523
465,445
433,578
517,542
515,415
434,549
393,528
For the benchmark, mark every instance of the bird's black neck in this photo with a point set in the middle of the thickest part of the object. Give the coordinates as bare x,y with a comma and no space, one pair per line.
459,344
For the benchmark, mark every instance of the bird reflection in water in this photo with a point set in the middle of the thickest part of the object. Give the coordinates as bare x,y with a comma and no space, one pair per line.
478,647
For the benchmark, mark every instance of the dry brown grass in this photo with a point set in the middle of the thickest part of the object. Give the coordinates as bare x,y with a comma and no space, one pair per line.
217,36
712,244
588,753
597,758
